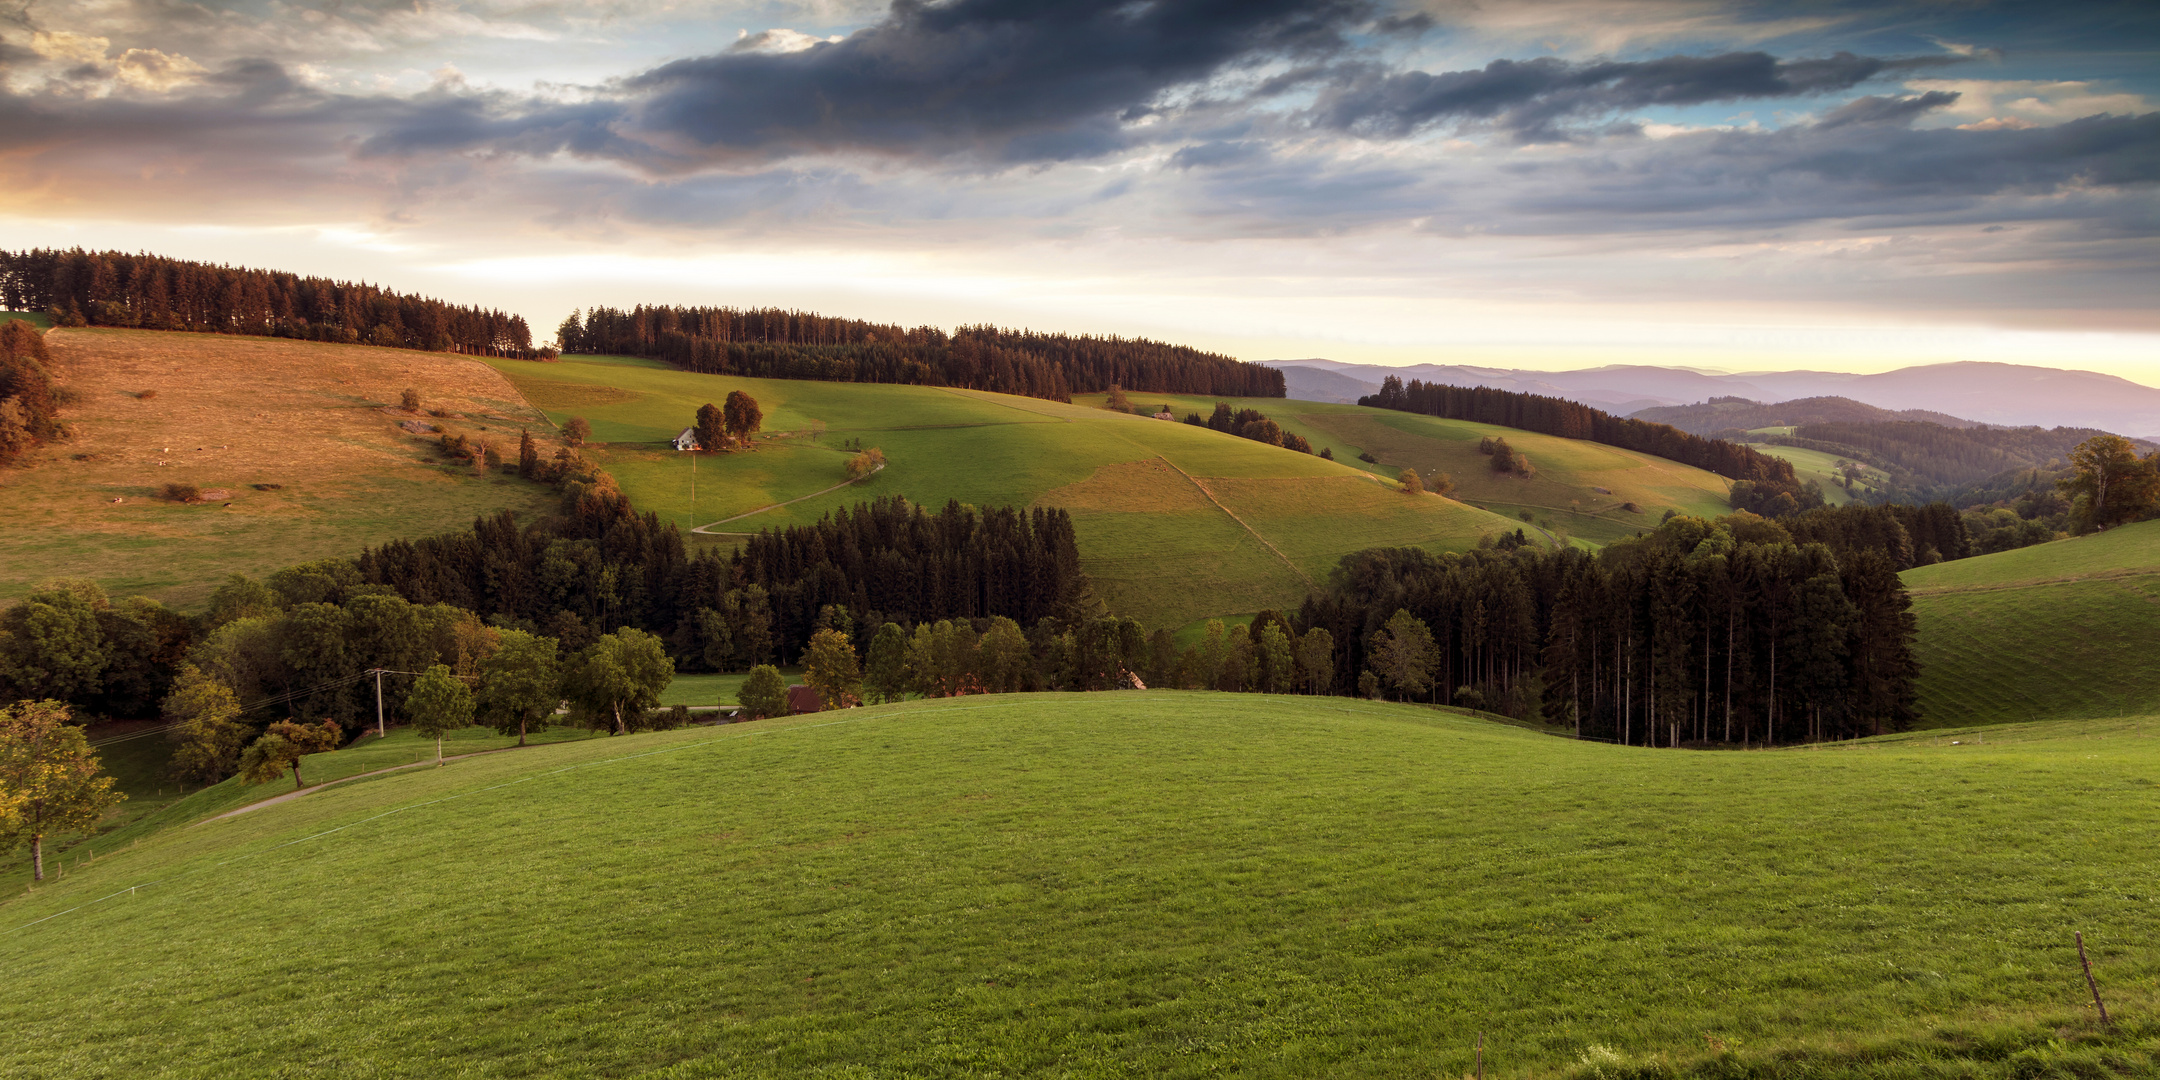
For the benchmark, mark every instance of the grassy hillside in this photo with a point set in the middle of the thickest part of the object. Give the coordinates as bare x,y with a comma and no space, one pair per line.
292,432
1564,494
2064,629
1821,468
38,318
1155,884
1176,523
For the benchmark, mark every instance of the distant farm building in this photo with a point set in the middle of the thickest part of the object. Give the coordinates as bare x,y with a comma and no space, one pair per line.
803,699
1164,415
687,440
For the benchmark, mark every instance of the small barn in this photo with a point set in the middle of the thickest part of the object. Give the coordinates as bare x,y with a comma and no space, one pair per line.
687,440
1165,415
803,699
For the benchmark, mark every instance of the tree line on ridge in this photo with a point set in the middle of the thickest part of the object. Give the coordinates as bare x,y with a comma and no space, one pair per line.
777,344
114,288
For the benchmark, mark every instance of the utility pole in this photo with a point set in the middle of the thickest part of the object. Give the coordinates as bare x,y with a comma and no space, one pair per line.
381,732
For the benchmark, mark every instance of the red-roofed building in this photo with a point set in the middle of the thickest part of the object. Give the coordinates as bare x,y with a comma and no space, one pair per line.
802,699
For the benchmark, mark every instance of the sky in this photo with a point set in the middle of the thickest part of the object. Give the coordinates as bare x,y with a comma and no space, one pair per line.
1710,183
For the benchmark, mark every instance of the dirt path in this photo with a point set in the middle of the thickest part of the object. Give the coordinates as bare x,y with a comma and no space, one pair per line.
291,795
1307,578
707,527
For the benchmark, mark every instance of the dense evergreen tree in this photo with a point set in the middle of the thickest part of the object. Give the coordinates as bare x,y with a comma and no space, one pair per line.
1702,632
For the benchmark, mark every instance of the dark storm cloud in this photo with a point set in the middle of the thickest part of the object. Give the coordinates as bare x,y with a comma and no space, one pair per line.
1532,99
1008,79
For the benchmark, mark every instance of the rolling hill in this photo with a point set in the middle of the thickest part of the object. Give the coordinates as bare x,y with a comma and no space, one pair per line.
1161,884
1579,488
1994,393
1176,523
293,434
2063,630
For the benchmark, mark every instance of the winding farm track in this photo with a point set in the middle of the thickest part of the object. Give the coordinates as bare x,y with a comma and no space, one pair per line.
291,795
707,527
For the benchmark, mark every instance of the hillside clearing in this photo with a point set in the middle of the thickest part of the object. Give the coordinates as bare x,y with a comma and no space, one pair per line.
1125,884
2057,630
1175,523
292,432
1564,492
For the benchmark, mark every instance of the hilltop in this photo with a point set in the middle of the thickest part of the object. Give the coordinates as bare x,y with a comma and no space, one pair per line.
289,440
1176,523
2062,630
1165,884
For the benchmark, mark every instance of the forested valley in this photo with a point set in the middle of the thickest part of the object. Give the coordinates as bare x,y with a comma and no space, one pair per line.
113,288
776,344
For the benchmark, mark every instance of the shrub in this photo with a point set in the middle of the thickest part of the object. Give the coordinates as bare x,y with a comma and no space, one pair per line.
1631,508
409,400
145,395
1366,457
180,493
1327,453
865,463
764,693
576,430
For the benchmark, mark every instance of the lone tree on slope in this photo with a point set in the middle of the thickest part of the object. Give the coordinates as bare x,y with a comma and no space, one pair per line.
439,703
283,745
49,778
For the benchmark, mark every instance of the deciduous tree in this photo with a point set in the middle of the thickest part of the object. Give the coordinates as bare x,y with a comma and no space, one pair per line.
49,778
887,677
207,718
830,667
2113,484
711,427
576,430
742,415
521,684
282,746
440,703
620,673
764,692
1402,654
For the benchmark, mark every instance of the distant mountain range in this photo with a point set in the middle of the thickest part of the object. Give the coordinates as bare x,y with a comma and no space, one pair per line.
1728,413
2008,394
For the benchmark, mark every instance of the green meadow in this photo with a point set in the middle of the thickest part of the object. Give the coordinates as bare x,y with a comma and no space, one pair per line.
1821,468
1176,523
36,318
2058,630
1126,884
1581,489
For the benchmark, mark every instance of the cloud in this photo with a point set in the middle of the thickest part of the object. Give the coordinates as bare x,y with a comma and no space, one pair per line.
778,40
150,69
1003,81
1532,100
1887,110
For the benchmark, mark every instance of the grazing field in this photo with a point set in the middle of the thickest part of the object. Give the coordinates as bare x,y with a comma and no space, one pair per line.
1176,523
1821,468
37,318
1563,495
290,437
2064,629
1135,884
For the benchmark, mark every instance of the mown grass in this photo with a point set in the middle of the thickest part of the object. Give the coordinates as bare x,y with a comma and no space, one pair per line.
291,432
36,318
2057,630
1175,523
1155,884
